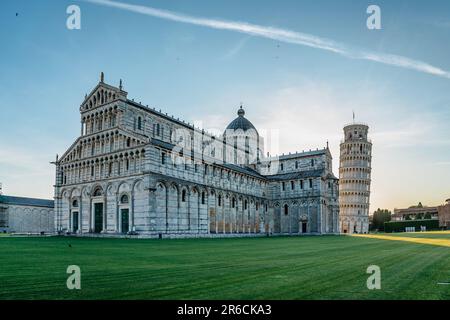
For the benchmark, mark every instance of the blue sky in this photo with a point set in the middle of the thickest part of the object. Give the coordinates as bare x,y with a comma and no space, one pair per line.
198,73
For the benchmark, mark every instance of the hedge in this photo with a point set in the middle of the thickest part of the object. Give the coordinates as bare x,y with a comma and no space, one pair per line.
399,226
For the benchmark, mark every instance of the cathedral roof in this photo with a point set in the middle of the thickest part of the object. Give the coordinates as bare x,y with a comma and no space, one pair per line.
22,201
297,175
241,122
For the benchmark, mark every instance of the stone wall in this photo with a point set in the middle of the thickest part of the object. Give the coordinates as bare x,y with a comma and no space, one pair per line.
28,219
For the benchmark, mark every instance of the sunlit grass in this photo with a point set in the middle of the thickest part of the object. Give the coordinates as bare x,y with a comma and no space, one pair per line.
436,241
315,267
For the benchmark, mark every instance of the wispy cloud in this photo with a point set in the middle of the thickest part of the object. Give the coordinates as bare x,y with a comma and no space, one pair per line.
235,49
283,35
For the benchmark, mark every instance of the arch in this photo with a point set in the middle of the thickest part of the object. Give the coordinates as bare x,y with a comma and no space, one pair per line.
65,193
75,193
161,184
137,185
173,207
110,189
194,210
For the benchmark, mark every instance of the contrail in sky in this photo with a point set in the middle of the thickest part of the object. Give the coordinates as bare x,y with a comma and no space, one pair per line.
283,35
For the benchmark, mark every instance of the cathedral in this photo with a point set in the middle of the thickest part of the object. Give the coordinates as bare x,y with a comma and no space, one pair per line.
138,171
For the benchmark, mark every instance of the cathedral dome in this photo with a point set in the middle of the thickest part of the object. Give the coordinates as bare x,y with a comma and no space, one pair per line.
241,122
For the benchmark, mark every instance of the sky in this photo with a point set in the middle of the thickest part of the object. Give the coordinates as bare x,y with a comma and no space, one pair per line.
300,68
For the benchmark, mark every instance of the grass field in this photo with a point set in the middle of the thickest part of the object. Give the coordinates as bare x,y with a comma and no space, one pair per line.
327,267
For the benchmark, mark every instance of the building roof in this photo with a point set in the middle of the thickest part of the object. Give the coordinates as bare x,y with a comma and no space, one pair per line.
297,175
241,122
241,169
414,210
250,171
22,201
309,153
161,114
162,144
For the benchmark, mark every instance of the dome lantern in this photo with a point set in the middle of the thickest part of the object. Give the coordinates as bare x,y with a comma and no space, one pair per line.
241,112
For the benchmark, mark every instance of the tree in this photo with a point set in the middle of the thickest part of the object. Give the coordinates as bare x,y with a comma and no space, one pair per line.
379,217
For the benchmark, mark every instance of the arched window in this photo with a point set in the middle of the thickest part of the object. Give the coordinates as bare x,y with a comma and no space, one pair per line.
203,197
128,142
183,196
312,162
245,205
139,124
75,203
233,203
220,201
124,199
286,210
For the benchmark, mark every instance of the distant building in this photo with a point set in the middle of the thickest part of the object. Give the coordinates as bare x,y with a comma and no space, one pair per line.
26,215
444,214
418,212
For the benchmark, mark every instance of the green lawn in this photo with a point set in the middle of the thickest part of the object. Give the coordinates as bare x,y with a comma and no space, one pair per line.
327,267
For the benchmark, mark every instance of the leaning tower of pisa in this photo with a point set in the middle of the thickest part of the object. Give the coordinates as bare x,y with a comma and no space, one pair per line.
354,179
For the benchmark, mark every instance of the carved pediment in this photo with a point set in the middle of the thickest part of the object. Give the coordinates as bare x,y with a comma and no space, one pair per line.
102,94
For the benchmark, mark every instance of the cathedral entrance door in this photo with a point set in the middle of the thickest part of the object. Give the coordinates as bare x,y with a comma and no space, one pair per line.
74,222
304,227
98,217
125,218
